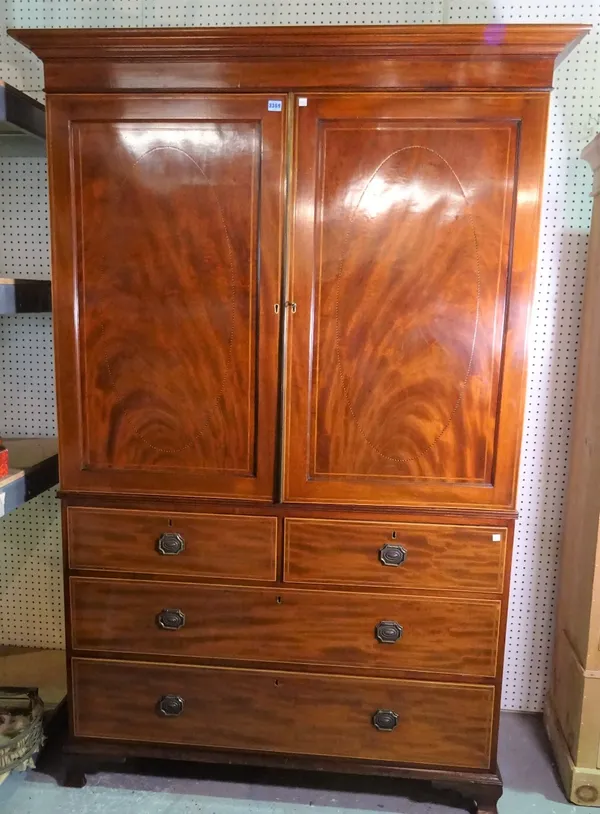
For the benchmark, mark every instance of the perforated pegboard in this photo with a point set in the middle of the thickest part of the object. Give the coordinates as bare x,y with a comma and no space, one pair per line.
553,345
31,607
31,575
24,247
27,396
336,12
27,401
18,66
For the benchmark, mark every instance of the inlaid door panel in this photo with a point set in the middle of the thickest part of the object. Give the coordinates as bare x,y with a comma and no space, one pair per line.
167,212
412,258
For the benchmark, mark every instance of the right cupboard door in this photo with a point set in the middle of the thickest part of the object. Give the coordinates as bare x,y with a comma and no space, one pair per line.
411,264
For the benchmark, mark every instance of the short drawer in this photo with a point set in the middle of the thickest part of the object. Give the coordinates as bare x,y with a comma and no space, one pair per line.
433,724
210,545
370,631
395,555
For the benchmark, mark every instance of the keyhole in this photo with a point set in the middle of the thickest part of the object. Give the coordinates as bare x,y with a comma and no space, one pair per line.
276,682
278,600
393,535
169,522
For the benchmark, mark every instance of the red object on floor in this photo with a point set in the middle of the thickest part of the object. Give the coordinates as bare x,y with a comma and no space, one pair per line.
3,462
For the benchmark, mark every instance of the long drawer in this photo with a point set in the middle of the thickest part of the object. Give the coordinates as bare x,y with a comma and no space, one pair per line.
373,631
210,545
427,723
395,555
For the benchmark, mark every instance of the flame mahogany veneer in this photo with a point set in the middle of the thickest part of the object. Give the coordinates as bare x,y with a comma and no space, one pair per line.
292,272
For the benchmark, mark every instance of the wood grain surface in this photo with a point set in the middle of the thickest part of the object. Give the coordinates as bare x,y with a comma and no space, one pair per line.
214,545
399,265
342,57
312,317
438,724
395,514
440,635
436,556
167,341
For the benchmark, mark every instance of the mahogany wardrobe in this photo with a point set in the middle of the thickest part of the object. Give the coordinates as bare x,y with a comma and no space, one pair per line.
292,272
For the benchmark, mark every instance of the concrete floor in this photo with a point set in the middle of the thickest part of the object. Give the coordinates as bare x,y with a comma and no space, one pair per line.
530,788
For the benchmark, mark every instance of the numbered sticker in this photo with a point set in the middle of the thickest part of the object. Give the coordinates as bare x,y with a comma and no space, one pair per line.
302,101
496,538
275,104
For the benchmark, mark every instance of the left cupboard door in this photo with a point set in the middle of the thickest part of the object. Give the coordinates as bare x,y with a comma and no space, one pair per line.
167,227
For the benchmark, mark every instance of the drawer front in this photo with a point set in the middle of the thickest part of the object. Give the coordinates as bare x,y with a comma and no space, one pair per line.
263,710
211,545
455,636
395,555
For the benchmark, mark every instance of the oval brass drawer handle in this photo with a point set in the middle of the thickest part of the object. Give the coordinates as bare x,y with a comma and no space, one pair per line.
388,632
391,554
170,543
170,619
170,705
385,720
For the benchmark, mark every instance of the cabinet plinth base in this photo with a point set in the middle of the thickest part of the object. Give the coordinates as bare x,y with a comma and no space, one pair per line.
477,793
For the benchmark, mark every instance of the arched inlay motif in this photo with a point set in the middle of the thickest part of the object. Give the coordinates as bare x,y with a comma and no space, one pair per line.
411,250
187,298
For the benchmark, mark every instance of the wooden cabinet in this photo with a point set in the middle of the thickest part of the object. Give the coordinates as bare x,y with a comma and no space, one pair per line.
403,341
286,626
305,714
175,207
203,545
292,275
413,555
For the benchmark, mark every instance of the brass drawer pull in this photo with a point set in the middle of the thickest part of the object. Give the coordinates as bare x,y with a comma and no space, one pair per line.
392,554
170,543
388,632
170,619
385,720
170,705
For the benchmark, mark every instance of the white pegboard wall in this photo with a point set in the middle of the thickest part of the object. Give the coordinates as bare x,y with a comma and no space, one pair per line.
553,343
24,233
31,575
336,12
18,66
27,393
555,328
